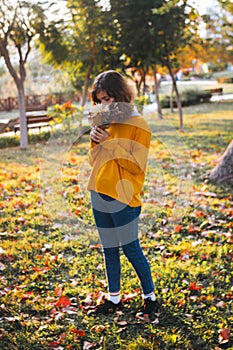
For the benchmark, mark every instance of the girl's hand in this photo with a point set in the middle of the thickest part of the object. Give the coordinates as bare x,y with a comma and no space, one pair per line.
98,135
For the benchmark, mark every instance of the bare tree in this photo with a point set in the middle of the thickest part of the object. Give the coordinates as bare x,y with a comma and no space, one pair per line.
19,24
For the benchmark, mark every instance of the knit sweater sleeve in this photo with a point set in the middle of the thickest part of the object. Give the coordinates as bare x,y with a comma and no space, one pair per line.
130,154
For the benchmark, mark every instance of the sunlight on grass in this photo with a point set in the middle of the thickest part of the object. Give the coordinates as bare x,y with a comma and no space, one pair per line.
51,261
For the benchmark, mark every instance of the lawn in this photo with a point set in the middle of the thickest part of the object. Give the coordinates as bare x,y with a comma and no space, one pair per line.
51,262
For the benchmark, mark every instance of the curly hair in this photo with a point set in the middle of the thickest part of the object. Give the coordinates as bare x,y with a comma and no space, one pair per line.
115,86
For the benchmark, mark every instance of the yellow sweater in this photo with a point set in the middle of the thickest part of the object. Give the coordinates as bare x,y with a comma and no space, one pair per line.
119,163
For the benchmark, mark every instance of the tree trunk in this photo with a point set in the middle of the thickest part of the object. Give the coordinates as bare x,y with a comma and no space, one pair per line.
22,118
19,81
144,73
177,96
171,99
86,84
223,171
156,90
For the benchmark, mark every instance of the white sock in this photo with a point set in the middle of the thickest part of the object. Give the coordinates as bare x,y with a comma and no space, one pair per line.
115,298
151,296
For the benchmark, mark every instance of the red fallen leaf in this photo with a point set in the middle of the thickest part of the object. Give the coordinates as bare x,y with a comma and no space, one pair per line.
73,160
180,303
36,268
62,337
128,297
224,335
54,344
229,296
96,246
44,269
178,228
26,296
77,212
77,189
58,291
198,214
63,302
193,286
78,332
193,229
205,257
137,290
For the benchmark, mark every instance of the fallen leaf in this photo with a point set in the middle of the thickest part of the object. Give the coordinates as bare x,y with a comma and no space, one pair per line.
178,228
122,323
78,332
99,328
221,305
128,297
63,302
194,287
224,335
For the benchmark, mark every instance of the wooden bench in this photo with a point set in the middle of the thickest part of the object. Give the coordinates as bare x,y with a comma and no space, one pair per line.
218,91
35,119
35,108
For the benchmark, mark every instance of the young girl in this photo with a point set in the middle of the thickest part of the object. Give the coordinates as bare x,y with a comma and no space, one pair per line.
118,156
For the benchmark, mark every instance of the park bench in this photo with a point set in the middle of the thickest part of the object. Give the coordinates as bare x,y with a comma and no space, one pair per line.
35,119
217,91
35,108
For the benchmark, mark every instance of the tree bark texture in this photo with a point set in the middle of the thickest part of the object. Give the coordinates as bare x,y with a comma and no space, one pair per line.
223,171
156,90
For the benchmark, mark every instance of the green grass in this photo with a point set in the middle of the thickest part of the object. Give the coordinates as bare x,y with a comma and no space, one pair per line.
51,260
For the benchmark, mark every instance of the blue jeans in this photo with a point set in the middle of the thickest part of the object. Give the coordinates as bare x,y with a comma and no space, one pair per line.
117,225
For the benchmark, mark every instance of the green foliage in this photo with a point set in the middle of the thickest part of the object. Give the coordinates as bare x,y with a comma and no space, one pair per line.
13,141
66,114
81,45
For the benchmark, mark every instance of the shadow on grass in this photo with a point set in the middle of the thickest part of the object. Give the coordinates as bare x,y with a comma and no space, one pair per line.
171,333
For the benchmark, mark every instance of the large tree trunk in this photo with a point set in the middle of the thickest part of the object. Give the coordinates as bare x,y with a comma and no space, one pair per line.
22,119
223,171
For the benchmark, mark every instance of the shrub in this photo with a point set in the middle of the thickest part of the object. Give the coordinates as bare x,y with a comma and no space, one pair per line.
188,98
65,114
142,101
14,141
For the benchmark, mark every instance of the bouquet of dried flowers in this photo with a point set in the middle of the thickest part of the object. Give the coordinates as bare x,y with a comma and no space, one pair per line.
103,115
